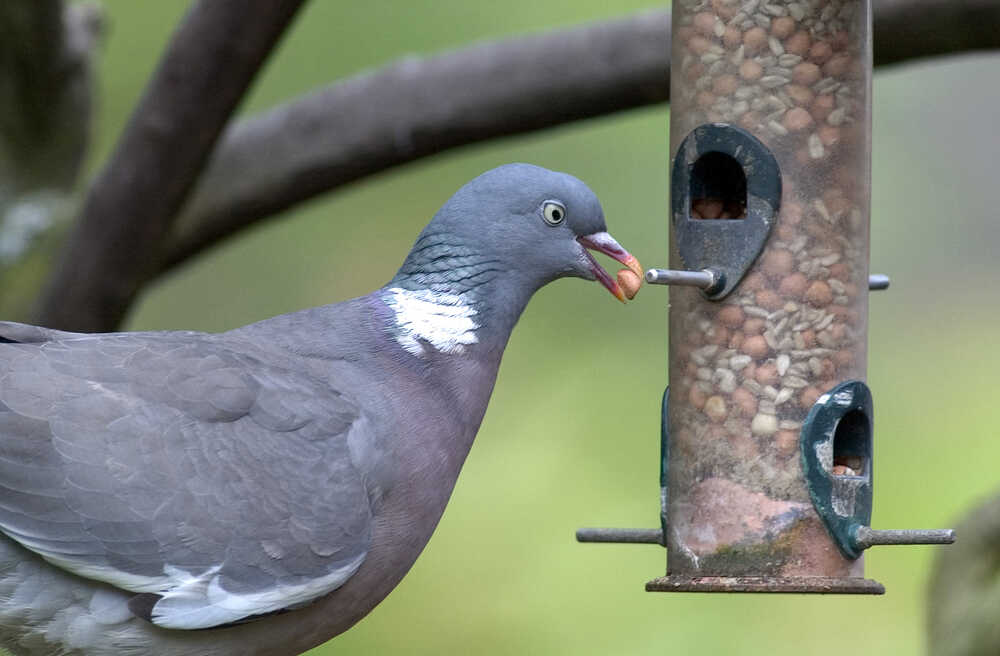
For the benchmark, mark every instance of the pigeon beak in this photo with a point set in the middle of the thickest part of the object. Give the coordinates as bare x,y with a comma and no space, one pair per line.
605,243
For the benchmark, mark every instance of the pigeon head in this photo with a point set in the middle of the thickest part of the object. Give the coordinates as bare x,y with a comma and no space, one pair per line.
499,239
520,224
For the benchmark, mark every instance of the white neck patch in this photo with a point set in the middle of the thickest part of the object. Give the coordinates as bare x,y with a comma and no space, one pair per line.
445,321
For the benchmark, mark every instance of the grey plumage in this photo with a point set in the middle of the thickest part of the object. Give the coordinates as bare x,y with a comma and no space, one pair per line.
273,483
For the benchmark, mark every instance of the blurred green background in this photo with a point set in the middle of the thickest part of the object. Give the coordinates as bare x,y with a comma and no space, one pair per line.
571,436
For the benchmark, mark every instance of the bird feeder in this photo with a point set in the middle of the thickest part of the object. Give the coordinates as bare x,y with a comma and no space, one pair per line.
767,425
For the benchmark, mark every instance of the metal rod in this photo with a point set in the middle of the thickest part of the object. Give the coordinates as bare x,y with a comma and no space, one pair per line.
629,535
876,281
707,279
704,279
866,537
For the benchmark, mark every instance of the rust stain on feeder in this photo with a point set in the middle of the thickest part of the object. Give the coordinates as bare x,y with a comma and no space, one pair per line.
721,513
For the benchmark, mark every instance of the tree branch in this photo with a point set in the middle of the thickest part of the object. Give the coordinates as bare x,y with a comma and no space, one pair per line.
912,29
364,125
422,106
206,69
45,92
417,107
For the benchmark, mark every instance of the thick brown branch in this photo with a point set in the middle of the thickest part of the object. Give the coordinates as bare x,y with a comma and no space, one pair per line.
45,90
912,29
47,50
31,48
418,107
208,65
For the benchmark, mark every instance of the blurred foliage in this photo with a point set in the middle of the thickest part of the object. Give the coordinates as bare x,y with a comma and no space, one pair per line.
571,437
964,607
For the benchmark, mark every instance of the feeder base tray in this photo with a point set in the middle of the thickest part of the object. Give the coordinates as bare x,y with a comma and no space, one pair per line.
797,584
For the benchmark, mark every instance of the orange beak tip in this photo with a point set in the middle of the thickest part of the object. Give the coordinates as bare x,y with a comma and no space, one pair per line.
629,279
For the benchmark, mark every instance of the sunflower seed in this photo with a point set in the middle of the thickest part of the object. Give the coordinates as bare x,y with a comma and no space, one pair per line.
795,382
774,81
738,362
837,116
725,380
816,149
737,57
832,258
826,321
784,395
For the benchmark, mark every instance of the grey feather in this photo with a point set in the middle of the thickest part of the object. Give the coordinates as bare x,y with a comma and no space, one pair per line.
299,464
138,472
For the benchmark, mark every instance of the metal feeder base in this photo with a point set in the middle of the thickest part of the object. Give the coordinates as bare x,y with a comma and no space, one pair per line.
798,584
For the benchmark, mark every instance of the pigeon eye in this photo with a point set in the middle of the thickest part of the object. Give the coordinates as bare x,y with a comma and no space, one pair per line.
553,212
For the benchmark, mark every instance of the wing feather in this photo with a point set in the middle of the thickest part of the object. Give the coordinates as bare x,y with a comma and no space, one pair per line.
180,466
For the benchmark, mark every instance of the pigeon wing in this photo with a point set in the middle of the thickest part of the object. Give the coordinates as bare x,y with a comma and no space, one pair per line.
218,486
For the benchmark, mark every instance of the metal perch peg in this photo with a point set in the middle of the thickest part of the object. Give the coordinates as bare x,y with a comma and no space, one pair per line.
878,282
709,279
706,280
865,537
620,535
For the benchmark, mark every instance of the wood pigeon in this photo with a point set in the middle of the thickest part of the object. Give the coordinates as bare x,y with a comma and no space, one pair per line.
259,491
